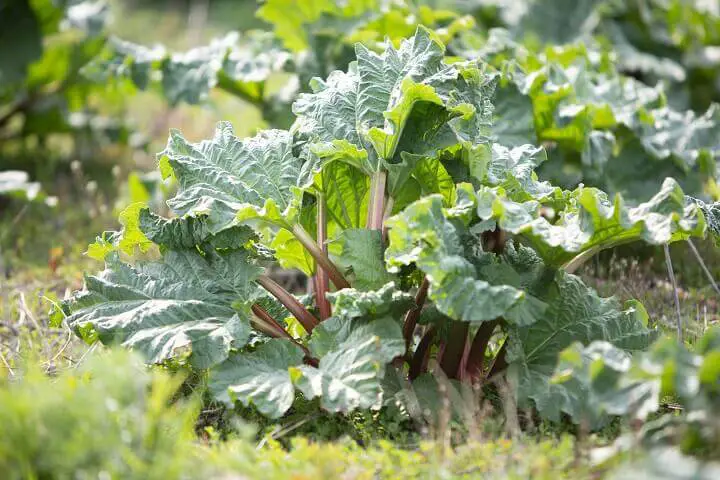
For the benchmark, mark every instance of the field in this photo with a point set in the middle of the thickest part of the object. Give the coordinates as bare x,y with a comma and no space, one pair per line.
359,239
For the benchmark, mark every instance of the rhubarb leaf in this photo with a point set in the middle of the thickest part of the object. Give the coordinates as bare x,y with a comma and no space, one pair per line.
187,300
574,313
403,100
362,252
430,237
261,378
352,367
226,178
590,222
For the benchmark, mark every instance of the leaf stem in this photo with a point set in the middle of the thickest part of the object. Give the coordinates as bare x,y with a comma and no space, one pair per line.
376,212
420,358
306,319
476,357
320,257
671,275
454,349
580,259
322,285
500,363
269,326
412,316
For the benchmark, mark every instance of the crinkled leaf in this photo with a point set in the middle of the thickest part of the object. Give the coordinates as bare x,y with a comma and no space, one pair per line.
189,232
261,378
591,222
362,252
574,313
711,212
354,354
404,100
428,236
185,300
338,330
227,178
128,240
240,67
350,303
592,375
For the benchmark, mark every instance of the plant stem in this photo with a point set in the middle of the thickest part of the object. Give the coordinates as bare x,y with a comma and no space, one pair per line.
322,285
671,274
579,260
306,319
269,326
454,349
704,267
411,317
420,358
476,357
388,210
376,210
500,363
320,257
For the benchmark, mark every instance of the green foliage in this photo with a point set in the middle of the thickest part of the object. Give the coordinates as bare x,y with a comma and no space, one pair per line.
492,459
393,167
51,113
111,416
114,417
602,126
606,380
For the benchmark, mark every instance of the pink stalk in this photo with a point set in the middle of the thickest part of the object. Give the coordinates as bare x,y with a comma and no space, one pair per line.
306,319
322,280
412,316
320,257
269,326
376,210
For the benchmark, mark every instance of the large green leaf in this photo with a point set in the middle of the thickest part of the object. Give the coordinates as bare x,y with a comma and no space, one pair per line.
336,331
225,176
590,222
185,301
574,313
238,65
404,100
261,378
593,375
608,381
354,355
290,19
557,21
362,252
189,232
432,238
386,301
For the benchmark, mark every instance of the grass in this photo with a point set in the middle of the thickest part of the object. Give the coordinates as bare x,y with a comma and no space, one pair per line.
113,418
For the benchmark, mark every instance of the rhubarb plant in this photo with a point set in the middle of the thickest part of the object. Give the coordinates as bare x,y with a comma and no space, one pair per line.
306,42
610,382
430,248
